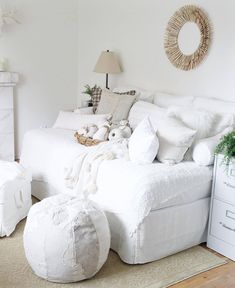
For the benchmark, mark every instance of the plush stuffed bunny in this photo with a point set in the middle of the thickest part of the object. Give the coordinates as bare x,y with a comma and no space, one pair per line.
116,133
103,132
83,131
125,127
122,131
92,129
88,130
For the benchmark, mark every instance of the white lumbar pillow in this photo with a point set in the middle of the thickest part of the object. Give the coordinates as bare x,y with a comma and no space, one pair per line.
204,149
198,119
175,139
75,121
143,143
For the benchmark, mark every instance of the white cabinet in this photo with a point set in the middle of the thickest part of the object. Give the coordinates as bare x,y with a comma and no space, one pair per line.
221,233
7,82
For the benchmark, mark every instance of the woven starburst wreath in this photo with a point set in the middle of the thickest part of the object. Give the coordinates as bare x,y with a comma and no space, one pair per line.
188,13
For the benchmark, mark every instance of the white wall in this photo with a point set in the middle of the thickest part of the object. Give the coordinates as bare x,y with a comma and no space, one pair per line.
135,30
43,49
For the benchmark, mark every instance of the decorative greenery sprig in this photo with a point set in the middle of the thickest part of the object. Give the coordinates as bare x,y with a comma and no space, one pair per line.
227,147
89,90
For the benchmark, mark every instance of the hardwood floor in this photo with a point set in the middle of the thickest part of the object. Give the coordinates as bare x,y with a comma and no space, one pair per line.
220,277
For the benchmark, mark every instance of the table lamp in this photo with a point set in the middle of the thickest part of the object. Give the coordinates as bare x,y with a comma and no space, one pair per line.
107,64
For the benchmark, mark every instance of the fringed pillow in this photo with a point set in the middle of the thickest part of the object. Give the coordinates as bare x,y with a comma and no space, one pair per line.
97,92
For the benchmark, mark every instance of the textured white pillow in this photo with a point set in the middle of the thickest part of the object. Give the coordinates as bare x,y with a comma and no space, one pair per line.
175,139
204,149
141,94
197,119
141,110
74,121
115,104
143,143
175,131
169,153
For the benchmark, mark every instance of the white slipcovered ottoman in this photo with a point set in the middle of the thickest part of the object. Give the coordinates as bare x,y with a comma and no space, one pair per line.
66,239
15,196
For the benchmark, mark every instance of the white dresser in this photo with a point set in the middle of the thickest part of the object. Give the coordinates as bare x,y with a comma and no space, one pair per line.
7,82
221,233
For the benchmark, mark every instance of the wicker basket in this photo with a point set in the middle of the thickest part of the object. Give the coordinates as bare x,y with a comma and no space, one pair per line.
86,141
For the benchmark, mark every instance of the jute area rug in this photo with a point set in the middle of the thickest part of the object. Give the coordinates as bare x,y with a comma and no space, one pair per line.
15,271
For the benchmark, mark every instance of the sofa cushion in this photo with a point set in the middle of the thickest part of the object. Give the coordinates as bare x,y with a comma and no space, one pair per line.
166,100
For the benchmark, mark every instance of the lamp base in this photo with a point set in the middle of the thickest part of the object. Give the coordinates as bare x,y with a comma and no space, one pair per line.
107,81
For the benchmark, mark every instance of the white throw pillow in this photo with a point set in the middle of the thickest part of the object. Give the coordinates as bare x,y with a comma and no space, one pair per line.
141,110
204,149
175,139
74,121
143,143
115,104
141,94
197,119
175,131
169,153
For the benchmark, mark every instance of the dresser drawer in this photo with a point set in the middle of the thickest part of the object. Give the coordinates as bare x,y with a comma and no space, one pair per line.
224,188
223,222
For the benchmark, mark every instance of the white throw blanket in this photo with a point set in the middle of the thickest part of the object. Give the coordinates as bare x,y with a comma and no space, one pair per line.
81,177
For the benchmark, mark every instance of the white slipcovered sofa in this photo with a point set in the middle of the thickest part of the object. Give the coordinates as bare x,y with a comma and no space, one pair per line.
176,198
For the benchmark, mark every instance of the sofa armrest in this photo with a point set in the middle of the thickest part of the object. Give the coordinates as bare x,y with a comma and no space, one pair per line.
85,110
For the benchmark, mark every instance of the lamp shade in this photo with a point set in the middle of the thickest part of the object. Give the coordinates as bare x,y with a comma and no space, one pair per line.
107,63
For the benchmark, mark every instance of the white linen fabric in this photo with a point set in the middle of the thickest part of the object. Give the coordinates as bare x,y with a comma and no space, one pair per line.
15,196
139,189
166,100
141,110
143,143
54,241
162,233
198,119
204,149
115,104
75,121
141,94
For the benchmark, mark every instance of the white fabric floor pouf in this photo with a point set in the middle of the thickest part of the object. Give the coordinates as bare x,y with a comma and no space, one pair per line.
66,239
15,196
